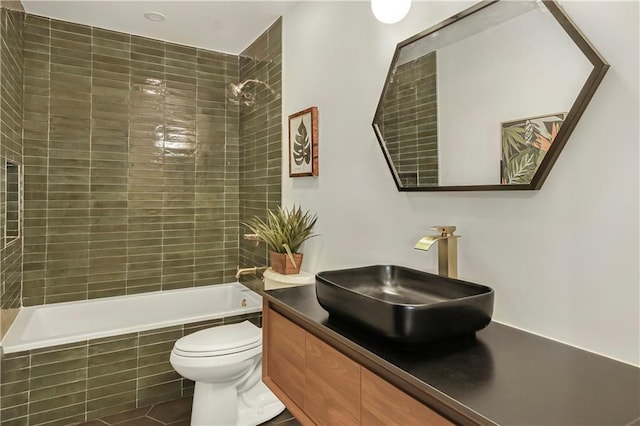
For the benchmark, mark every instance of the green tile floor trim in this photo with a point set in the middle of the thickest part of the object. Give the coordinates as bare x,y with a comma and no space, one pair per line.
88,380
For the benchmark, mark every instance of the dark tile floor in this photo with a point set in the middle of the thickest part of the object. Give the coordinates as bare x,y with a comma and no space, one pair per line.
174,413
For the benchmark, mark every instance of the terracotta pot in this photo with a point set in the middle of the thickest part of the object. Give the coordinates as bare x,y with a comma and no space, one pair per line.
281,263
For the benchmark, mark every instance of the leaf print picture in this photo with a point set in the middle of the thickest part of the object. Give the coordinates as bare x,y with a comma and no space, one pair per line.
525,142
303,143
302,146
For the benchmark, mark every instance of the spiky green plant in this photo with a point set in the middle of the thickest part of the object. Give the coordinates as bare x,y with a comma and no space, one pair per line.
285,230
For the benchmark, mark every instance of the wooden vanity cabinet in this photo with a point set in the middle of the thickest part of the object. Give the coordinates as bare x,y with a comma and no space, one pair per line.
332,385
286,360
322,386
385,405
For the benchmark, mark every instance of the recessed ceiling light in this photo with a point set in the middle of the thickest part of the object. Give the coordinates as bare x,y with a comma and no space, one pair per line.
155,16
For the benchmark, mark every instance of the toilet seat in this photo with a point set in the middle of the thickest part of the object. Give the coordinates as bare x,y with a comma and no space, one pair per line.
217,341
213,354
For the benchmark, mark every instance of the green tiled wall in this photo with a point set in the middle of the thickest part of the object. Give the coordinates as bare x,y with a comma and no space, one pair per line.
410,121
136,168
91,379
11,105
131,164
261,136
112,374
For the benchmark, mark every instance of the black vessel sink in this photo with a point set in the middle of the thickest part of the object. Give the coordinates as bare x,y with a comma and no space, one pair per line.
404,305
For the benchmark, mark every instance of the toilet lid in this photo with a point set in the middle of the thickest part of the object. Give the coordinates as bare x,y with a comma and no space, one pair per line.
224,339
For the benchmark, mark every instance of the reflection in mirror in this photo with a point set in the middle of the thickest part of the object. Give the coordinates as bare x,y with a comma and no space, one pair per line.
12,204
478,101
409,121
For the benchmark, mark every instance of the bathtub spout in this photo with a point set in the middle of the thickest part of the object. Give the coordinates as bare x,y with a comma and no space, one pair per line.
252,270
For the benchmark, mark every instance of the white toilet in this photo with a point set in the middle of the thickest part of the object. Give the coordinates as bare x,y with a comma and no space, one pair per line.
226,364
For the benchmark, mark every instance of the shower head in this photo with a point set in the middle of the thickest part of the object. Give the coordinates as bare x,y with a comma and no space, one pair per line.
240,94
236,89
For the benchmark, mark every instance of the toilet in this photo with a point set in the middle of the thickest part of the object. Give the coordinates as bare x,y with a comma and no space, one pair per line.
225,362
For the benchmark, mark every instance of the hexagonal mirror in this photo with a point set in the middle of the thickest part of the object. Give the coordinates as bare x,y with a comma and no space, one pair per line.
487,99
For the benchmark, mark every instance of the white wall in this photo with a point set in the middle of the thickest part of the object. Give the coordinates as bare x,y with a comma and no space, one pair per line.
563,260
525,67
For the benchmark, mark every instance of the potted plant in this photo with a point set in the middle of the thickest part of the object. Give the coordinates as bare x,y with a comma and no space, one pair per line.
284,231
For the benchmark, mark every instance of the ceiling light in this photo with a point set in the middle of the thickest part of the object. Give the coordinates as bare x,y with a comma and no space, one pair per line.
390,11
155,16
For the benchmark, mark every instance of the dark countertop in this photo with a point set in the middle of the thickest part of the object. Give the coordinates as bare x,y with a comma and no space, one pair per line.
501,376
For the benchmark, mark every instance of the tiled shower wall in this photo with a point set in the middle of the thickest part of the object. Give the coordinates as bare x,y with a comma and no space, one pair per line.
11,73
131,164
411,116
261,136
132,184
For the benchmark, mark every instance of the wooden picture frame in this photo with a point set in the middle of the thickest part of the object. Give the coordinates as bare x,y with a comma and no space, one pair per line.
303,143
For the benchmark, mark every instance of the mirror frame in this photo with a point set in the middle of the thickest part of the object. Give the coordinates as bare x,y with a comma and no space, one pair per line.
600,67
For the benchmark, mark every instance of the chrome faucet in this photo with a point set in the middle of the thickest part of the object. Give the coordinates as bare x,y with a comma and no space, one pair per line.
447,249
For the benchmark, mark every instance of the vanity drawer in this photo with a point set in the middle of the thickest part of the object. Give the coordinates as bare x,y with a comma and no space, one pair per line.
385,405
333,385
285,357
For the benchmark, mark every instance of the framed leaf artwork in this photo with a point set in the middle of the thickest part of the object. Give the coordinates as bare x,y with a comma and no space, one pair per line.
303,143
525,142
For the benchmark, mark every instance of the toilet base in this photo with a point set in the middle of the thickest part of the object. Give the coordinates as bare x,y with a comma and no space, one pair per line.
257,405
254,406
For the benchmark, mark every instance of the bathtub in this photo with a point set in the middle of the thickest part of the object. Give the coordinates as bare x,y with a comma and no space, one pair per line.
61,323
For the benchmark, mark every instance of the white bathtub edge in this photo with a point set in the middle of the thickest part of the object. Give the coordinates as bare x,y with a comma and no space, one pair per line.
4,349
